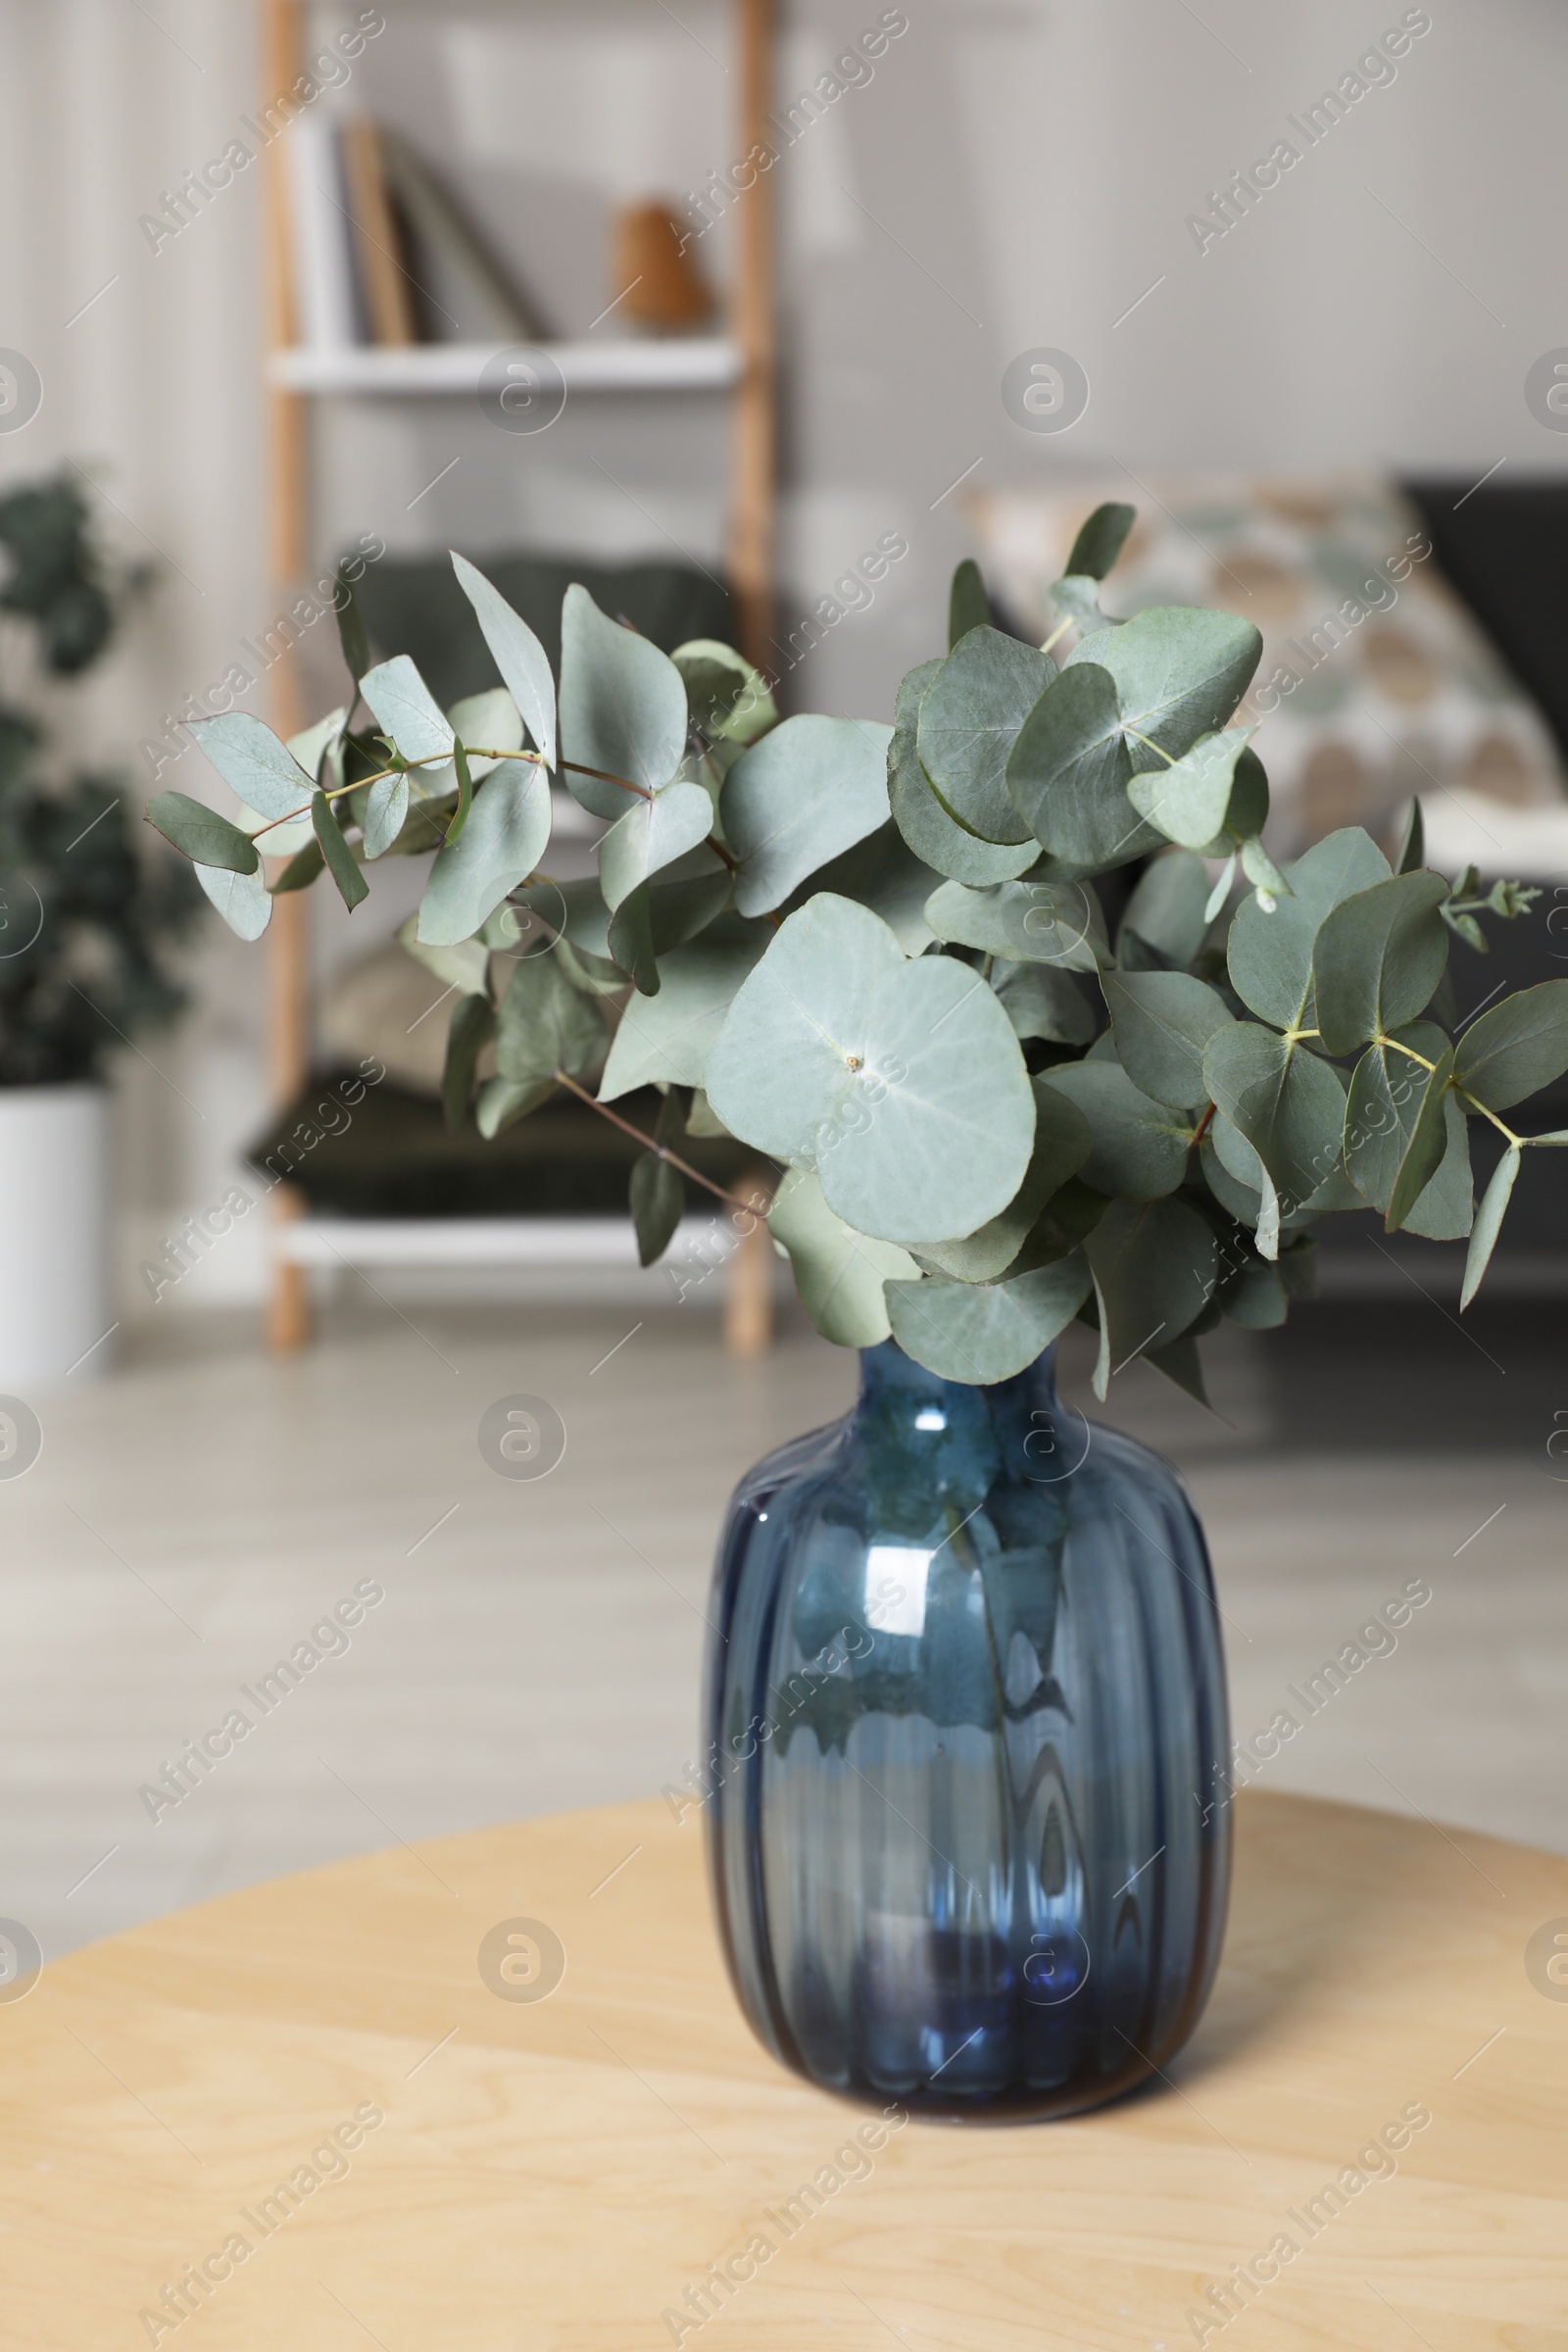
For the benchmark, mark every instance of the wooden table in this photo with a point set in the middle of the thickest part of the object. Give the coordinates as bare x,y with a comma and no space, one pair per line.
554,2175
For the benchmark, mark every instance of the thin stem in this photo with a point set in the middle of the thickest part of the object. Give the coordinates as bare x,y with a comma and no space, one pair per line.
1293,1037
1517,1140
1410,1051
1204,1124
1149,741
649,1144
1060,631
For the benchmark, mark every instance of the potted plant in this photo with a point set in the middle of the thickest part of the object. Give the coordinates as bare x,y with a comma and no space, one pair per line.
969,1800
85,920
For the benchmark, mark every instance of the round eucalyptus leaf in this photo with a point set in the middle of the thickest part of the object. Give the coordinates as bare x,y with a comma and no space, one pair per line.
928,828
1140,1149
544,1025
622,707
1270,951
1286,1103
666,1040
242,899
1063,1139
386,810
502,841
839,1273
1162,1022
1043,1001
1188,800
969,716
1377,958
518,656
806,792
1154,1264
901,1082
651,836
1165,918
988,1332
1387,1091
1178,672
1027,923
1519,1045
254,763
1069,769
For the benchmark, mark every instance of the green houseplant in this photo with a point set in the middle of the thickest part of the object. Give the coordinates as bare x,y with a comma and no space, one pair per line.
86,923
968,1772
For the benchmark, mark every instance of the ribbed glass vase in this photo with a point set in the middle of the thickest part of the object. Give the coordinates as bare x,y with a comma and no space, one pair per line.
967,1733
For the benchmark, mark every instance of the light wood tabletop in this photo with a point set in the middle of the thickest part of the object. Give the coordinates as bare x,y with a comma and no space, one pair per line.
339,2111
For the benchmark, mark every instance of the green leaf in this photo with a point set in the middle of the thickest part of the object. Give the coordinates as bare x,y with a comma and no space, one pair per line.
1178,672
622,707
1076,596
593,975
408,712
1489,1223
804,794
1270,952
1284,1102
1182,1364
301,871
652,835
1263,874
1377,958
727,697
1140,1150
1221,891
545,1025
1101,539
1041,1001
1166,910
1413,847
901,1081
242,899
1069,769
1428,1142
501,1103
1247,812
1517,1048
340,860
254,763
1162,1022
657,916
969,717
469,1032
1254,1296
1155,1265
1242,1198
1028,922
839,1273
1384,1100
200,833
1188,799
351,634
460,814
666,1038
518,656
981,1333
657,1190
1063,1139
881,872
386,810
491,718
501,843
968,605
926,827
465,966
318,749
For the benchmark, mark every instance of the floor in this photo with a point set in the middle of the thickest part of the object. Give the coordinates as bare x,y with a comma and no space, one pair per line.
535,1642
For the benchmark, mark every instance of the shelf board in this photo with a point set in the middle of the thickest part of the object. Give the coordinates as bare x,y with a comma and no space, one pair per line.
328,1241
672,363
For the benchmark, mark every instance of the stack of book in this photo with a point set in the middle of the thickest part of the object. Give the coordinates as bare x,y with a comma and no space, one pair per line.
382,254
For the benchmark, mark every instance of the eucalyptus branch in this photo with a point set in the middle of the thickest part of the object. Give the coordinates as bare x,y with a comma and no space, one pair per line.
660,1151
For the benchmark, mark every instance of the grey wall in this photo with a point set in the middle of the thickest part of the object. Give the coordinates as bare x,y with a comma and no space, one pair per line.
1011,176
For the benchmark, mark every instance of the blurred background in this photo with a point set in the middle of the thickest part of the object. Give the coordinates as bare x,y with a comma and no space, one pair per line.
760,317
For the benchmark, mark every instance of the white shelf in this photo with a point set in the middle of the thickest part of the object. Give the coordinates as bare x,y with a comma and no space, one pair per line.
672,363
328,1241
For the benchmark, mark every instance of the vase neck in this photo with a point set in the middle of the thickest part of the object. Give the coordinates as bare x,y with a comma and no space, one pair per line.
888,1375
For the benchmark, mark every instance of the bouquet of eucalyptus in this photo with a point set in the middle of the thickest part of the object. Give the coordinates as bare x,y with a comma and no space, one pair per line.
876,955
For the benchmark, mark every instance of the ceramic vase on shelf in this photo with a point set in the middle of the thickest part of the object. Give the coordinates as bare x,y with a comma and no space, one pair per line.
968,1737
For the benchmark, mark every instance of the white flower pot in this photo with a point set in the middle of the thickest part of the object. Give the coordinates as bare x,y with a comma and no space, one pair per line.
54,1235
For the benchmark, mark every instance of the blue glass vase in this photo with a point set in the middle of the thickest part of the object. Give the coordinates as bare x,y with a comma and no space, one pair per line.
967,1733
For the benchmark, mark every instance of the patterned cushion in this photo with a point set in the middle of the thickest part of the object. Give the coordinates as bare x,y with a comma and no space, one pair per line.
1374,683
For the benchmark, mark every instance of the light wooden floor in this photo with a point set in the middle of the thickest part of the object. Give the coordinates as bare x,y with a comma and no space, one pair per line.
193,1518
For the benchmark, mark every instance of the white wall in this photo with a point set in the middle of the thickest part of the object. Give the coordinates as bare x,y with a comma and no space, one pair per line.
1015,174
